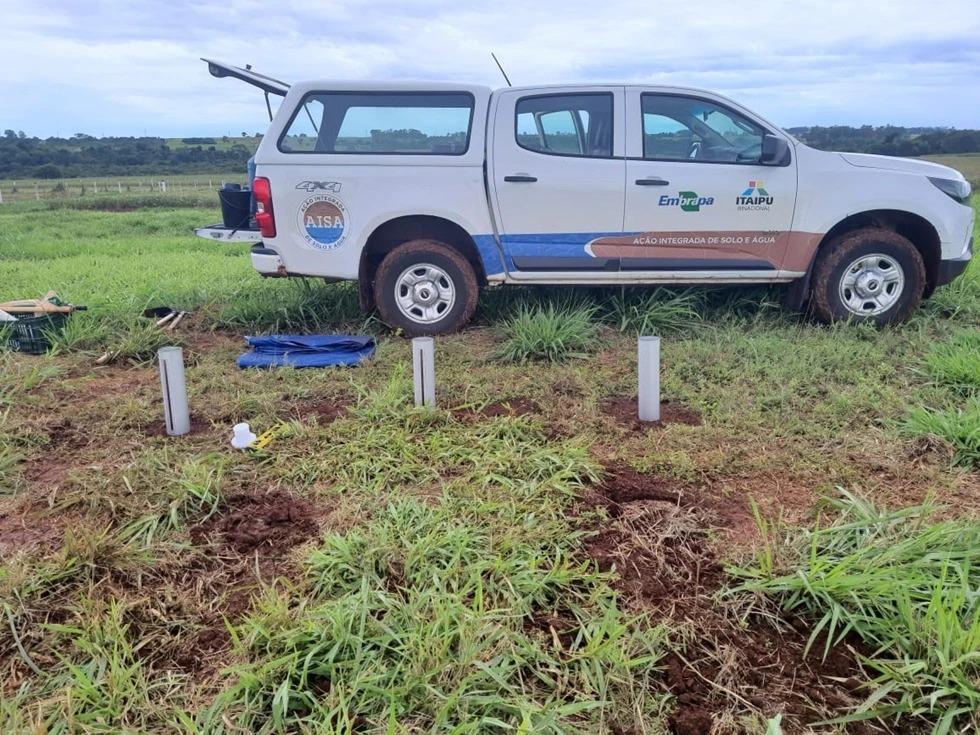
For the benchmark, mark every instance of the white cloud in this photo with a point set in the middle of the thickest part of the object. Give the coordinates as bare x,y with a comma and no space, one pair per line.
128,67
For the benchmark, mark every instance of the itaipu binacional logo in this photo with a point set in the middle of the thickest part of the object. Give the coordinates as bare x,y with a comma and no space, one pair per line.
323,221
754,198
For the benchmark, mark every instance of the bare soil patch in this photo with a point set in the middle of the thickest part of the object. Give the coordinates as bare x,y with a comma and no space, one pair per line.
199,427
243,545
626,411
659,539
269,524
21,530
515,406
200,342
325,409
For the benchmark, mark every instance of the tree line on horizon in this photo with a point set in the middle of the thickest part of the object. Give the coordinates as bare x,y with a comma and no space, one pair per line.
27,157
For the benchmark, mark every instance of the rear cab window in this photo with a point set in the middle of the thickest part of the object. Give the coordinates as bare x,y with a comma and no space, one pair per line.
566,124
380,123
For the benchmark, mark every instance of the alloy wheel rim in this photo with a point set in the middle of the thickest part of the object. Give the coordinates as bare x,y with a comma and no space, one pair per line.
424,293
871,284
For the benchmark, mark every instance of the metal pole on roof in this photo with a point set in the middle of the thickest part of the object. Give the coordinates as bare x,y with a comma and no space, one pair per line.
424,371
648,378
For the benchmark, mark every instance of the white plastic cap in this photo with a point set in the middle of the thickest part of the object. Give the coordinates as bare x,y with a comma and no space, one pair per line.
243,437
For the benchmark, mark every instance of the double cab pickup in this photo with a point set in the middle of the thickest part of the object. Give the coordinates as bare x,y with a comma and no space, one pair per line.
426,193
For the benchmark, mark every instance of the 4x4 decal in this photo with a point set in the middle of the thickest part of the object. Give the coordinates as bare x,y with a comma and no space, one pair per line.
311,186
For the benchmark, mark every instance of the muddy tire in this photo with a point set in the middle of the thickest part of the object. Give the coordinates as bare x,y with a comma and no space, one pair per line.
425,287
868,275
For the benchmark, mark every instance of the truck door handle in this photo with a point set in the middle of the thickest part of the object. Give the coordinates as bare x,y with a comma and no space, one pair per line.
652,181
523,178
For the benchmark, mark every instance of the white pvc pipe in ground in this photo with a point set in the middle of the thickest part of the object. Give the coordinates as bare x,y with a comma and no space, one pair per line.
424,370
175,410
648,377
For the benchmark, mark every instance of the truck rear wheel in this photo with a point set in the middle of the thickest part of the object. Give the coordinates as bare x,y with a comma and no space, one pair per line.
425,287
869,275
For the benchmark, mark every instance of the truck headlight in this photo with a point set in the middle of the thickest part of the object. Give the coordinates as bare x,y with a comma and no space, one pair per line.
956,188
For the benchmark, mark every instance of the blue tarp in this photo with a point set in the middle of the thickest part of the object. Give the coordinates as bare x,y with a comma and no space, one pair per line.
303,351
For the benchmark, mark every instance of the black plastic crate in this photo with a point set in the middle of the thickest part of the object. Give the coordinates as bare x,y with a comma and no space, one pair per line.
32,334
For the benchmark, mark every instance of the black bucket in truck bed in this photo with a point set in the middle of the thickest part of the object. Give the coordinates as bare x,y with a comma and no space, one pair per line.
236,205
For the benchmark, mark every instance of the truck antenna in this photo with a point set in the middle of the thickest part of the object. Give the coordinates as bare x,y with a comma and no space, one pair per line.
501,69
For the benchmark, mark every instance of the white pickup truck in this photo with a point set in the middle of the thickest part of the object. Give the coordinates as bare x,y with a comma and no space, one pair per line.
425,193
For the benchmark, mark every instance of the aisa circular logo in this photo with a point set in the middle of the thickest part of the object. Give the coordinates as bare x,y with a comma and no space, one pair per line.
323,221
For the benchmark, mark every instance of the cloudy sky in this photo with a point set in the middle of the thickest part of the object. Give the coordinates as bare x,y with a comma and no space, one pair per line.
132,68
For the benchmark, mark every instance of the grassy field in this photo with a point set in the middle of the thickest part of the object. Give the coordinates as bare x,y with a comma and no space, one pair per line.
796,543
967,164
101,191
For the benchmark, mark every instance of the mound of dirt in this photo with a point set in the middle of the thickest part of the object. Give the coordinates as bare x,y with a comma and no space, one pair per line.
626,411
270,524
659,540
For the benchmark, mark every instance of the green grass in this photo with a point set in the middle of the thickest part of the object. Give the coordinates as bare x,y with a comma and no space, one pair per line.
447,589
143,189
656,312
552,333
959,427
906,587
956,362
967,164
431,607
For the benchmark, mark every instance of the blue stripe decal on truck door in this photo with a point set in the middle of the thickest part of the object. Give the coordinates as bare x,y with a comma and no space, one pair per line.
538,245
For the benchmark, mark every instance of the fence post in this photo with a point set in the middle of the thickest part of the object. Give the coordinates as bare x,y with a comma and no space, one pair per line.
1,197
423,368
648,375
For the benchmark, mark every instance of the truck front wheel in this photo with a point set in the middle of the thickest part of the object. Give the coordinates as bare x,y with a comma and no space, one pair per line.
868,275
425,287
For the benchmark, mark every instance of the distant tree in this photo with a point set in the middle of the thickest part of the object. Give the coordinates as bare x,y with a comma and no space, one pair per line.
8,133
47,171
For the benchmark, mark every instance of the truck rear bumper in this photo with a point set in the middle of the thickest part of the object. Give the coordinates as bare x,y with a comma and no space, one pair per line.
267,262
221,233
953,268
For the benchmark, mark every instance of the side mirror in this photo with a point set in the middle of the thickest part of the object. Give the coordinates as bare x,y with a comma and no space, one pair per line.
775,150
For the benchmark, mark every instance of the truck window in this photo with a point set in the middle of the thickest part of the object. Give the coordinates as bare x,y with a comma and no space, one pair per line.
677,128
566,124
380,123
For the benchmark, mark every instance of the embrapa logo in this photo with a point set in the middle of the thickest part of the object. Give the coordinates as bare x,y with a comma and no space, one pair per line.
311,186
323,221
688,201
754,198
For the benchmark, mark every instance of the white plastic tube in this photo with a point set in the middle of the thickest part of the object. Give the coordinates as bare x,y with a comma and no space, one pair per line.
648,377
175,410
424,370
